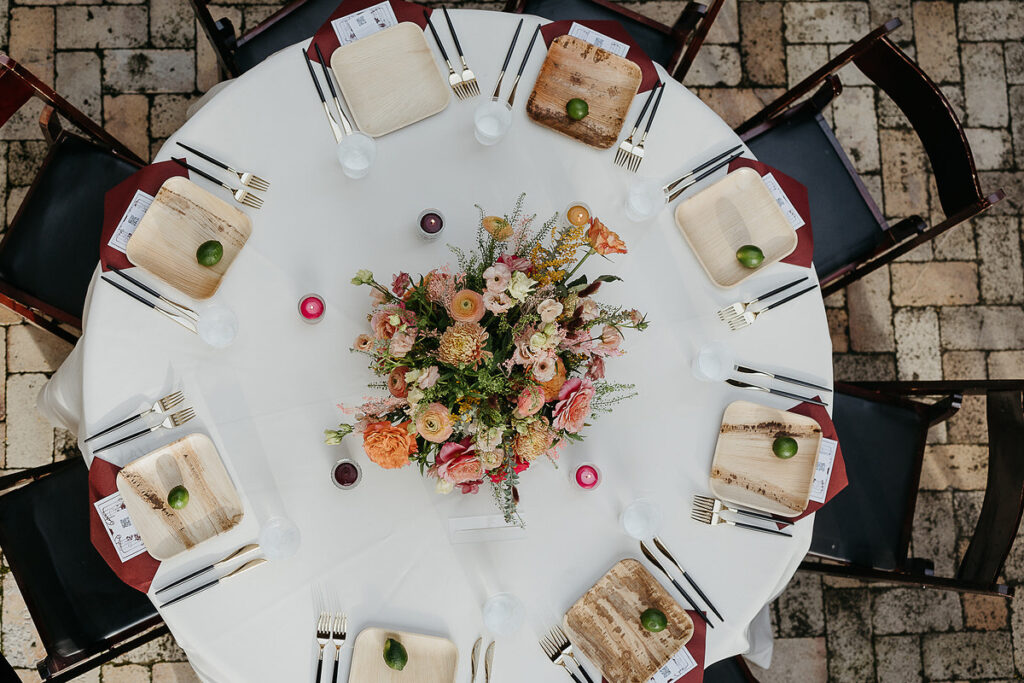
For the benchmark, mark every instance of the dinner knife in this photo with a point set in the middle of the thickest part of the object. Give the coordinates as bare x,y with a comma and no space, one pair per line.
488,658
777,392
508,56
474,656
724,162
323,100
781,378
241,552
650,556
334,93
700,168
210,584
522,65
664,551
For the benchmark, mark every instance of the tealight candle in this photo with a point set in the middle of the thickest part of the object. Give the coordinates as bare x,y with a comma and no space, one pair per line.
577,214
346,474
587,477
430,223
312,308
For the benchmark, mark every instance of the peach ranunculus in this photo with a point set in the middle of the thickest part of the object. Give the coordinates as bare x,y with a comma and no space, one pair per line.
499,228
457,465
386,320
603,240
467,306
402,341
396,382
364,342
497,277
531,399
435,423
545,368
573,405
554,385
389,445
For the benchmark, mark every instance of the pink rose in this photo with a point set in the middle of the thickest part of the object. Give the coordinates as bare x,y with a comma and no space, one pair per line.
386,320
544,368
497,277
429,377
531,399
573,405
457,464
515,262
402,341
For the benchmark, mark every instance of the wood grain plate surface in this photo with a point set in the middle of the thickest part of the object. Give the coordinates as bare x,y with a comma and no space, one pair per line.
431,659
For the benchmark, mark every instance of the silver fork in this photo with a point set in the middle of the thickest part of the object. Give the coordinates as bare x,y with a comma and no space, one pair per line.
561,641
705,516
636,155
468,78
323,635
623,153
716,506
454,80
339,629
748,317
162,406
241,196
244,177
173,420
739,308
555,654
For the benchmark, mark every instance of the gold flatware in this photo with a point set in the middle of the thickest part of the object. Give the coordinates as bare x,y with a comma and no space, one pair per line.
474,658
737,309
238,554
488,658
454,80
173,420
693,584
339,632
251,564
162,406
240,195
244,177
468,78
636,155
508,56
705,516
522,65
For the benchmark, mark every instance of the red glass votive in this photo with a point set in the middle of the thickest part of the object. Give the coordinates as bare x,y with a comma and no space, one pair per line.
587,477
312,308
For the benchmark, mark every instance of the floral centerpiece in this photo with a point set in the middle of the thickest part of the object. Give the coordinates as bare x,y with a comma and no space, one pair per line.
496,365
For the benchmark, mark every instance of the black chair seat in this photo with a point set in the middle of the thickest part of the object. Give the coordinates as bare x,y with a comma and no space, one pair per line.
298,25
53,249
726,671
864,523
658,46
76,601
845,229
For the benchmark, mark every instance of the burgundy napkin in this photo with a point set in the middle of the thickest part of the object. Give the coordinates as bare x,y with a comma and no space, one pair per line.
839,480
696,647
16,92
612,29
138,572
797,194
327,39
119,197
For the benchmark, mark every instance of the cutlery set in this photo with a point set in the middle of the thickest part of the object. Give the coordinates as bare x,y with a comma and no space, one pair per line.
740,314
682,591
687,180
522,65
475,657
557,647
161,407
628,155
176,312
245,197
346,127
330,629
464,85
234,557
709,511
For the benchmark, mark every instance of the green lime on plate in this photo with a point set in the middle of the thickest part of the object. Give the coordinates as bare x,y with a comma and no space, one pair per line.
577,108
653,620
784,447
210,253
749,256
395,655
177,497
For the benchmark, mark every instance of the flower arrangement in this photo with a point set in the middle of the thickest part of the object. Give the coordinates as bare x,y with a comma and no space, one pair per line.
496,365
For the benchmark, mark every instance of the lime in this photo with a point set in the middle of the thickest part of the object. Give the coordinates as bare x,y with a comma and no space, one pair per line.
577,108
653,620
210,253
784,447
749,256
395,655
177,497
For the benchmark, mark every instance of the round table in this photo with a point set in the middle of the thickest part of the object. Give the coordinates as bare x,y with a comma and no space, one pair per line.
382,550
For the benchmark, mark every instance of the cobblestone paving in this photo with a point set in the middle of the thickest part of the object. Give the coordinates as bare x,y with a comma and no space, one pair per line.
949,309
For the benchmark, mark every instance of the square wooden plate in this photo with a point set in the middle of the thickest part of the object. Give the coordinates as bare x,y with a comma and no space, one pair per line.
390,79
213,505
745,471
605,624
735,211
182,217
575,68
431,659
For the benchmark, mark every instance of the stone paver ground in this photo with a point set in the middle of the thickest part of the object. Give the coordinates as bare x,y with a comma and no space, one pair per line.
950,309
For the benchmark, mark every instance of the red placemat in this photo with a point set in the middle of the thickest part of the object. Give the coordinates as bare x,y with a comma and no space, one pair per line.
838,480
612,29
137,572
327,39
119,198
797,194
696,648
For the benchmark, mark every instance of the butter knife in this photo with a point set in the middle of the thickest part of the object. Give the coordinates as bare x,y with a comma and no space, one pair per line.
244,568
473,659
781,378
488,658
693,584
777,392
238,554
650,556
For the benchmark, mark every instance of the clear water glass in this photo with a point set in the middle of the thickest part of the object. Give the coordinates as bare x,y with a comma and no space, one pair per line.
713,363
491,121
644,201
503,614
641,519
356,153
279,538
217,326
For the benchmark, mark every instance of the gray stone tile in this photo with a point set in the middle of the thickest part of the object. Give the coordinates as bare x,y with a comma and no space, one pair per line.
801,613
848,615
912,610
981,327
898,659
149,71
795,659
917,344
934,532
967,655
984,84
825,22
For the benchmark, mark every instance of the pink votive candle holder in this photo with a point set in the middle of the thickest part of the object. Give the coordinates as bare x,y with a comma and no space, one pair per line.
587,477
312,308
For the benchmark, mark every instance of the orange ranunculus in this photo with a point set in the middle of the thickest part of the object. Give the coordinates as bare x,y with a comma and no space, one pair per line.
467,306
603,240
435,423
389,445
554,385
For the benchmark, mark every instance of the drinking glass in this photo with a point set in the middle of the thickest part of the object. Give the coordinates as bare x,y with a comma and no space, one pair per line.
713,363
279,538
641,519
491,121
503,614
356,153
217,326
644,201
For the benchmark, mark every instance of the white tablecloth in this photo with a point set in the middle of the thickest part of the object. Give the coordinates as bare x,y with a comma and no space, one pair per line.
383,549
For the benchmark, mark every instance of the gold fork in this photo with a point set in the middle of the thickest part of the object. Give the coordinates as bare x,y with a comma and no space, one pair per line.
241,196
556,656
244,177
709,516
468,78
636,156
340,631
323,635
557,637
454,80
740,307
173,420
162,406
625,150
